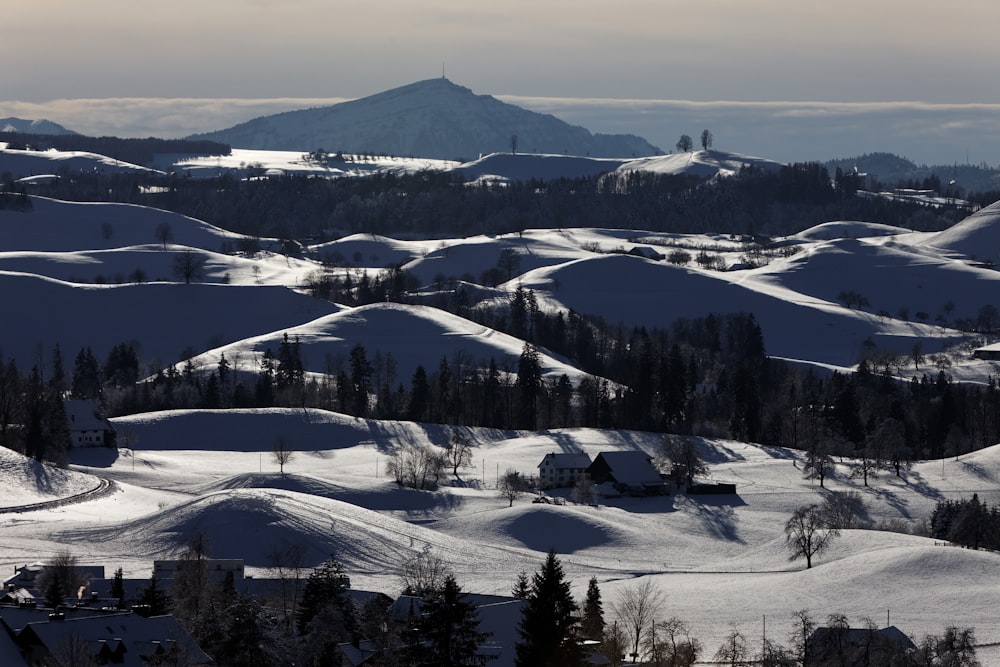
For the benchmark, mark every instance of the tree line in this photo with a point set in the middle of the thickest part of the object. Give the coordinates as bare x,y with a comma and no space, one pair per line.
755,201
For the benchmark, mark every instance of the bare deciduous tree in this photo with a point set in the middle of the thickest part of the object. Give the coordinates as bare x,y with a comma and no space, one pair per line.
511,486
458,453
734,650
282,453
416,466
423,574
636,607
806,533
163,234
188,266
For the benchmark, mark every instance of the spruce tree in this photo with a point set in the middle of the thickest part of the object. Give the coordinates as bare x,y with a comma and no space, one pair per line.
155,599
592,626
548,626
446,633
117,590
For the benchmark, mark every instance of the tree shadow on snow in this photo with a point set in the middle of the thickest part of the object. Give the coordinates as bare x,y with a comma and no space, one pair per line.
718,515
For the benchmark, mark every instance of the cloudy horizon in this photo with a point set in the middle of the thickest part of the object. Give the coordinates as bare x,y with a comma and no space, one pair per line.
925,133
788,80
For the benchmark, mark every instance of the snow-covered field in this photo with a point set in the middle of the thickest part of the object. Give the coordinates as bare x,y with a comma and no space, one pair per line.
721,561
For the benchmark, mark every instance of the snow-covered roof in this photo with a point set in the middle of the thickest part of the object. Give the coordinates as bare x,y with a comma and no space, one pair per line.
631,467
83,415
565,461
140,636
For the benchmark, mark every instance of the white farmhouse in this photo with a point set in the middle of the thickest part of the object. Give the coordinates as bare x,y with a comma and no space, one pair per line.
87,426
562,469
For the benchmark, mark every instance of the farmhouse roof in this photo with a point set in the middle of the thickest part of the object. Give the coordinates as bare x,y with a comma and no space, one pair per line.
633,468
566,461
84,415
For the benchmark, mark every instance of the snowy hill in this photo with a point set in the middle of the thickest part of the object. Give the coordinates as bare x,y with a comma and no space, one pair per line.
702,164
977,237
162,319
413,335
721,561
23,164
40,126
435,119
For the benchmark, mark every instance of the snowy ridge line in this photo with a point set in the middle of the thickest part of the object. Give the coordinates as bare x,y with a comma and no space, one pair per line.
103,487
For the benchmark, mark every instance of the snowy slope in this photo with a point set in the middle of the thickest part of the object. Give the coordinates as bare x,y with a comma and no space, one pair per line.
22,163
413,335
702,164
53,225
976,237
721,561
638,291
162,319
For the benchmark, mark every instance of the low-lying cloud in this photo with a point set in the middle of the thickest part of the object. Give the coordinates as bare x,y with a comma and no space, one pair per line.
787,131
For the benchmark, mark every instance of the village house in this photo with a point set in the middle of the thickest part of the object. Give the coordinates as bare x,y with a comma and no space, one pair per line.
562,469
87,426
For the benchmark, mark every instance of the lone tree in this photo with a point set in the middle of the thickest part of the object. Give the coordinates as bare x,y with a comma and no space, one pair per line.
164,234
282,453
511,486
706,139
806,533
189,266
684,144
458,452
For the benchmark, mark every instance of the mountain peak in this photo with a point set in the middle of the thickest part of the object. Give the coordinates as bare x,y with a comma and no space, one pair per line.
433,118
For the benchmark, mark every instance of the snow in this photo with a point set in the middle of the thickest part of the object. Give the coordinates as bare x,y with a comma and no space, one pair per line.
721,560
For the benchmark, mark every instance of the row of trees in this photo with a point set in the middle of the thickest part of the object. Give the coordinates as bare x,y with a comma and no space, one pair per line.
300,207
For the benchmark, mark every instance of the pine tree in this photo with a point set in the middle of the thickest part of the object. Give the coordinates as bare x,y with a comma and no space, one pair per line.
592,626
117,590
521,587
529,385
156,601
327,587
446,633
548,627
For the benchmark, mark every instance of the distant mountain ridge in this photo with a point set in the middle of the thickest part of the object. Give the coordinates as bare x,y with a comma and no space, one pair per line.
889,169
24,126
434,118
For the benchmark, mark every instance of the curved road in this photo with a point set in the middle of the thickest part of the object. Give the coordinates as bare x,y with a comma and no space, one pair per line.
104,487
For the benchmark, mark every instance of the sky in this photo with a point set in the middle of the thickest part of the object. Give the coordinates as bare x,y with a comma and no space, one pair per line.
919,75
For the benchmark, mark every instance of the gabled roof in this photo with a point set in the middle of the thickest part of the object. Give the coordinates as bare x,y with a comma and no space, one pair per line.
634,468
10,654
566,461
130,634
84,415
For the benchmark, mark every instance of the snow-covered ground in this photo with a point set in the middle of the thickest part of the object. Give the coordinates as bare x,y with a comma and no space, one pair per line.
720,560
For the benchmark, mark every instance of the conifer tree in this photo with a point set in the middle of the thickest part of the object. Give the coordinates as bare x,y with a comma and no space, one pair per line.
592,626
446,633
548,626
